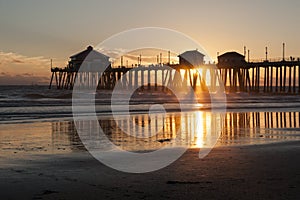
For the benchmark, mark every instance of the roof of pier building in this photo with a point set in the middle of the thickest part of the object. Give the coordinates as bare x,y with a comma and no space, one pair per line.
231,59
89,55
191,58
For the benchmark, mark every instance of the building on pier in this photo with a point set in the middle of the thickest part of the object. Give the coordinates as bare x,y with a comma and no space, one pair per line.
191,58
91,60
231,59
88,56
234,71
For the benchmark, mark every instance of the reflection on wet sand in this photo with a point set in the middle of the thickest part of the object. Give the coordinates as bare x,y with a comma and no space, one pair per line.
149,132
65,137
192,129
42,138
260,127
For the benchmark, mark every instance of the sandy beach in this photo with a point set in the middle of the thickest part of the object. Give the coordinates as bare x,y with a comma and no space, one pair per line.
269,171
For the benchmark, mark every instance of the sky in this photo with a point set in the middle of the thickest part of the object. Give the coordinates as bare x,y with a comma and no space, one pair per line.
34,31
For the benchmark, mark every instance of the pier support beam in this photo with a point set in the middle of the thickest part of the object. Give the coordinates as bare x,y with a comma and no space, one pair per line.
50,84
284,78
280,78
294,79
257,79
271,80
149,79
290,79
276,87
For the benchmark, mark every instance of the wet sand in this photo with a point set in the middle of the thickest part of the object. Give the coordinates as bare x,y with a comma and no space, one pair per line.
269,171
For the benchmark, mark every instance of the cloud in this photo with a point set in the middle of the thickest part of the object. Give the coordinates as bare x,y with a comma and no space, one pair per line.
18,69
112,53
10,57
17,61
149,55
15,65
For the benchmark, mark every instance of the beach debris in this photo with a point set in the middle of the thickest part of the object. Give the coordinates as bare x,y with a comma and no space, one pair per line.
164,140
45,192
183,182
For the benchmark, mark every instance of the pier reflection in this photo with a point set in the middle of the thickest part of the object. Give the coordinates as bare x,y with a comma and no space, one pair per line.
65,137
145,132
193,129
260,127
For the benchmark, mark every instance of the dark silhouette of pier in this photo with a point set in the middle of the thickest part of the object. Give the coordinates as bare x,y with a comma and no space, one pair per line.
279,76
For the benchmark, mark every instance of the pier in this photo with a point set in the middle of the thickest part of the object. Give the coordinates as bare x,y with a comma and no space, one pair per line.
280,76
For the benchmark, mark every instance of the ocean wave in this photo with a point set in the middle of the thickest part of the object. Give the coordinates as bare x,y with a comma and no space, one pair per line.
62,96
50,96
34,96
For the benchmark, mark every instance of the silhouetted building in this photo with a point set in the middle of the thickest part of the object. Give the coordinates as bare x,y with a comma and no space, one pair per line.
191,58
231,59
89,57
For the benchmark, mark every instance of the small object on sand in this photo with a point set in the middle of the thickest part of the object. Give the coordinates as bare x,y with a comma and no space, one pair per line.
45,192
164,140
183,182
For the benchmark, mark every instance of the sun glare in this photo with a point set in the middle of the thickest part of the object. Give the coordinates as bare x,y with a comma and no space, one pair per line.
199,131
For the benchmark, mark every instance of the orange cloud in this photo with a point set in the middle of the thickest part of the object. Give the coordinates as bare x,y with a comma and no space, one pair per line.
14,63
16,69
10,57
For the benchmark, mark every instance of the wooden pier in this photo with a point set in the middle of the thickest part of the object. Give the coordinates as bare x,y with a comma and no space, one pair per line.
232,70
